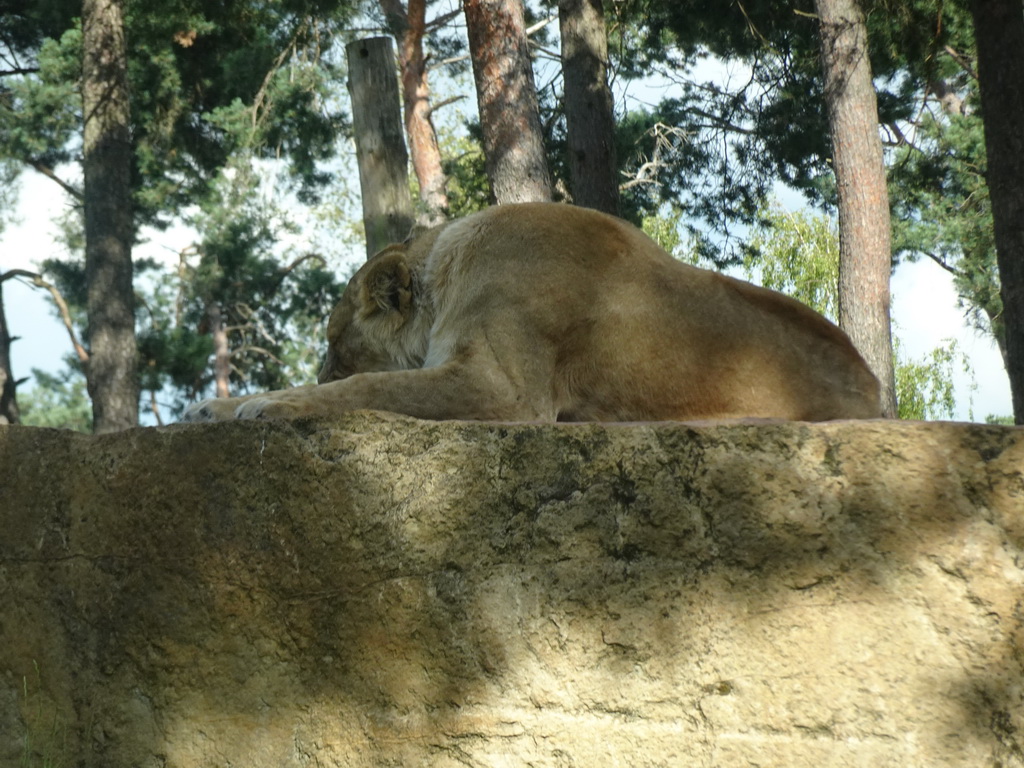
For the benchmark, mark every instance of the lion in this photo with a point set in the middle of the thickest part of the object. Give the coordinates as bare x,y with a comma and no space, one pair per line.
548,312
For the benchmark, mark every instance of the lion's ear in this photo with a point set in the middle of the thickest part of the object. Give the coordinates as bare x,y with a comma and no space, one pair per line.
388,285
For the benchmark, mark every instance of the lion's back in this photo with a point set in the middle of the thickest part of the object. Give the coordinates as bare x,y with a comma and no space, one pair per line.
630,332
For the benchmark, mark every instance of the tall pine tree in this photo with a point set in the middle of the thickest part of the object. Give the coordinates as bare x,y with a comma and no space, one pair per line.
112,373
589,117
507,99
865,253
999,30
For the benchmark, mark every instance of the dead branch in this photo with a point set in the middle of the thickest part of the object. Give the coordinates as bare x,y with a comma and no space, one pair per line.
445,103
445,62
443,19
58,299
541,24
155,408
960,59
666,141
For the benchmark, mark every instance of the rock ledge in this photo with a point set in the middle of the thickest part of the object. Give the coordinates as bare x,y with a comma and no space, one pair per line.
380,591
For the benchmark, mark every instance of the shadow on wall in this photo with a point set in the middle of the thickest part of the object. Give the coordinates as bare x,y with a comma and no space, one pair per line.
389,591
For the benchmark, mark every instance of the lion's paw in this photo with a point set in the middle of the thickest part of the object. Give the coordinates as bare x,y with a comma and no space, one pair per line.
204,410
265,408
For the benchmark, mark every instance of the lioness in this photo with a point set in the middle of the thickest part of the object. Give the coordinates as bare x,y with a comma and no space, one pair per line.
544,311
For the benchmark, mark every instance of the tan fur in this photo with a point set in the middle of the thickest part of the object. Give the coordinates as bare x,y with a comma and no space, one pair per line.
548,312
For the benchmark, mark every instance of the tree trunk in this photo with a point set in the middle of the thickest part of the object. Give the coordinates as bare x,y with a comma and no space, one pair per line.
409,28
588,105
507,99
112,372
999,32
221,351
8,401
380,142
865,253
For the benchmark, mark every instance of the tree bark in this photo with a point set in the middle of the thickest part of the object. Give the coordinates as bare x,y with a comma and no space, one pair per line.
112,373
380,142
221,351
507,99
589,115
999,32
8,400
865,252
409,27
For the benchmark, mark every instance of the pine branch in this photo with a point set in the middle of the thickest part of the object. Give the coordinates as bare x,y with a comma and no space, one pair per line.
259,108
942,263
49,173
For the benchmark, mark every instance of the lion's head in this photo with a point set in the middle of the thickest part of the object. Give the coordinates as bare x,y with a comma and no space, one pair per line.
378,323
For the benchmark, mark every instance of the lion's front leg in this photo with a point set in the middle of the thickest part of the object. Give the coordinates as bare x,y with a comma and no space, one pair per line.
450,391
227,408
475,389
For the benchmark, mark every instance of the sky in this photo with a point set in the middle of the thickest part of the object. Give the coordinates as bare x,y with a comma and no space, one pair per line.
924,304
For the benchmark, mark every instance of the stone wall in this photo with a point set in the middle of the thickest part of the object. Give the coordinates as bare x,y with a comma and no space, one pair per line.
380,591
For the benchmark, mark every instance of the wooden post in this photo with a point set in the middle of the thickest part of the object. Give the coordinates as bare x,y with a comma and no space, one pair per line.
380,142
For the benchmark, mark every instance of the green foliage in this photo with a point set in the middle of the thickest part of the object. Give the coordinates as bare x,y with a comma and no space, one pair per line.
665,231
1006,421
208,81
731,140
272,303
69,277
175,357
25,25
8,191
942,209
218,89
57,401
224,79
768,124
665,228
40,119
463,165
797,253
924,388
746,106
